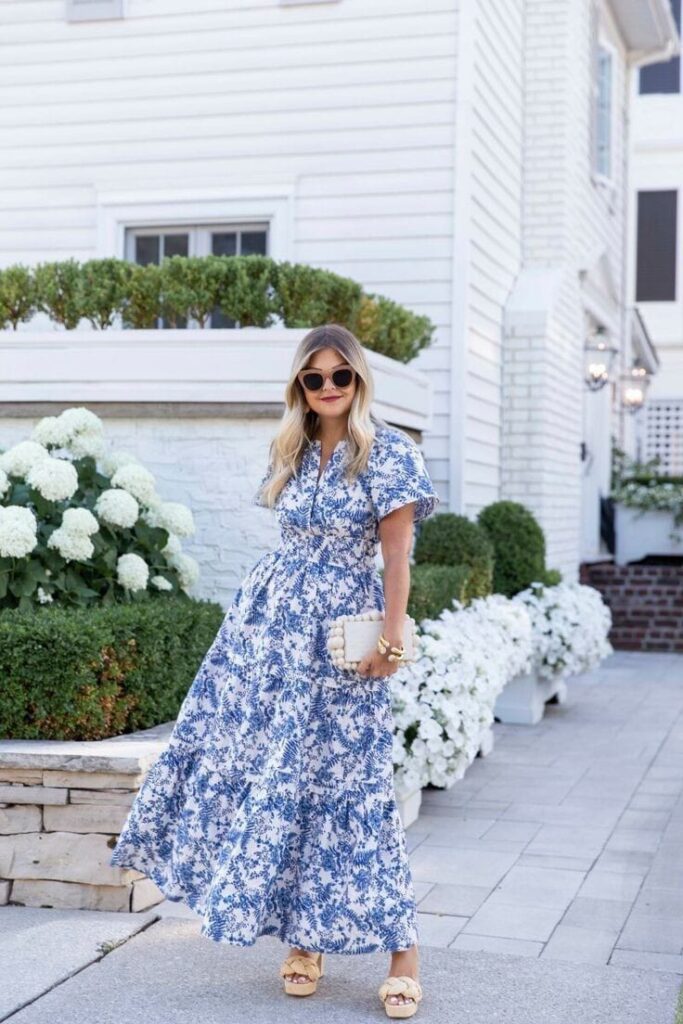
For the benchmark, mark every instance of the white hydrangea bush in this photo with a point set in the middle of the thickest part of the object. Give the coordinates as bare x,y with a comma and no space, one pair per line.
570,623
443,701
81,524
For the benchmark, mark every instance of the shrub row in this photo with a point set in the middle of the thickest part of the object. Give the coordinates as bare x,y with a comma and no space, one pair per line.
255,291
90,673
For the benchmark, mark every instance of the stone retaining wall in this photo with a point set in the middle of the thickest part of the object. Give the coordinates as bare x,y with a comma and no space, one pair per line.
62,806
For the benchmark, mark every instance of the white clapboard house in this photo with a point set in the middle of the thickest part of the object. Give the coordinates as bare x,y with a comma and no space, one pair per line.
656,271
467,158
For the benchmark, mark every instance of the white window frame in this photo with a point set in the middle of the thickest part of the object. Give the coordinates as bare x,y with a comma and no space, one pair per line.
145,208
199,240
94,10
600,176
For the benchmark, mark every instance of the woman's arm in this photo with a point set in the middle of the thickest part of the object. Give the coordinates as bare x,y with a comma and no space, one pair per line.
396,539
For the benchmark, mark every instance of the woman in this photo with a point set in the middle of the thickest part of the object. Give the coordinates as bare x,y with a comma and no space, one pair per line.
272,810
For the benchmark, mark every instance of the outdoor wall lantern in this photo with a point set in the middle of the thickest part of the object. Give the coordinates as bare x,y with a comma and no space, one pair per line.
635,385
600,356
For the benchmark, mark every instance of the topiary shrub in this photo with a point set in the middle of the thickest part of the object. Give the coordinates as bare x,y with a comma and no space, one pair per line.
435,587
90,673
519,545
450,539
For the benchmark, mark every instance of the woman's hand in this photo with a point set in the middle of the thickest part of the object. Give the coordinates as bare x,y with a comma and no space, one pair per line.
376,664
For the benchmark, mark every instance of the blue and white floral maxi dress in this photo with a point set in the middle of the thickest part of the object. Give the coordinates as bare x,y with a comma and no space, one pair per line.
272,810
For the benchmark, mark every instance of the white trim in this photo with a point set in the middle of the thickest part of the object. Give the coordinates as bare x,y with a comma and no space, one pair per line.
461,255
599,178
249,366
121,209
93,10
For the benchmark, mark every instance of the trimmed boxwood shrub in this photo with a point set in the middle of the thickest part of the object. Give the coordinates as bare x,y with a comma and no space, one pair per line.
255,291
434,587
90,673
519,544
450,539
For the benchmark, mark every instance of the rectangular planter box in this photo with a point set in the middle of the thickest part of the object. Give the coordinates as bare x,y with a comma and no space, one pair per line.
639,535
523,700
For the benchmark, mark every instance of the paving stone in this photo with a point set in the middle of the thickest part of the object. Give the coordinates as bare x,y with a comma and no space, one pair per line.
461,900
460,866
438,929
543,887
628,840
644,819
601,914
581,945
647,961
514,921
652,934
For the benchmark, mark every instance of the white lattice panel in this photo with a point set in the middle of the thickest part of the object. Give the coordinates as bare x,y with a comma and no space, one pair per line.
664,433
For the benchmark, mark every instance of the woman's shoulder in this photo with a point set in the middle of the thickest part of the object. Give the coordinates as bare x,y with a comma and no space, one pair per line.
390,440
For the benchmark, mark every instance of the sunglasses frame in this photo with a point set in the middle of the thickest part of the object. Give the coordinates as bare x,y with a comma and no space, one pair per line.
326,376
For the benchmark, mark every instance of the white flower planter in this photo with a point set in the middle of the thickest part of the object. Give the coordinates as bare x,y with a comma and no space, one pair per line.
409,806
486,743
641,534
523,700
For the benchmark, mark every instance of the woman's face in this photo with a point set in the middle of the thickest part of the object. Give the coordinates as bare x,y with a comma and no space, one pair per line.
331,401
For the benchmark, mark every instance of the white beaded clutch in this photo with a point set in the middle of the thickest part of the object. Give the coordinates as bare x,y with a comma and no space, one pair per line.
351,637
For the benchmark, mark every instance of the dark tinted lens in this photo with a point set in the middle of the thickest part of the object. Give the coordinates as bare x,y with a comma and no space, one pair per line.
313,381
342,378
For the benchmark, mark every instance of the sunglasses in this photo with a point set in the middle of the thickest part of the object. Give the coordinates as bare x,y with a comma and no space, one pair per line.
313,380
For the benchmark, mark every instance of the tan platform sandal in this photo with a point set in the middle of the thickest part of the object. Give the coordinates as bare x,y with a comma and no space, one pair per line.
298,964
397,985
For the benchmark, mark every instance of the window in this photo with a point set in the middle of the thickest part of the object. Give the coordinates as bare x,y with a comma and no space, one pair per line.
603,112
656,246
93,10
152,245
665,75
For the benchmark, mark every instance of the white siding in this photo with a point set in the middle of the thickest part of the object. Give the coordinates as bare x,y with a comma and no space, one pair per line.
349,103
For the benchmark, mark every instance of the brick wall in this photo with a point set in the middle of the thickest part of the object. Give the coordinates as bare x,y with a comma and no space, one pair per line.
646,602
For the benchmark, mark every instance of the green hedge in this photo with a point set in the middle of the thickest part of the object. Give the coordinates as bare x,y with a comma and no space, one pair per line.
90,673
256,291
450,539
434,587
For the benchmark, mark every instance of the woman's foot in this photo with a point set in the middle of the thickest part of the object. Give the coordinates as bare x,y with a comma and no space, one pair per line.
295,951
404,961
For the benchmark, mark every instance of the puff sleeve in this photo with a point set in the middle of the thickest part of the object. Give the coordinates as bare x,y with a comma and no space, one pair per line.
400,477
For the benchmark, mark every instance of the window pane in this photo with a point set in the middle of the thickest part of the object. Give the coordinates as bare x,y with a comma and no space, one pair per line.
224,243
656,253
146,249
664,76
176,245
603,135
253,243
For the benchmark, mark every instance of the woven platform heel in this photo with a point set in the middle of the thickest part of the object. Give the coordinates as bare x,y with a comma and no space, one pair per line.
396,985
297,964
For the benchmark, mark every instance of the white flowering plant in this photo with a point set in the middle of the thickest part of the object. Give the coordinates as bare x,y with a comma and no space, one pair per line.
443,701
81,525
570,624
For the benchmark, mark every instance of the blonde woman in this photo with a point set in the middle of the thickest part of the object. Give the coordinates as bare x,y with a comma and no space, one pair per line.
272,810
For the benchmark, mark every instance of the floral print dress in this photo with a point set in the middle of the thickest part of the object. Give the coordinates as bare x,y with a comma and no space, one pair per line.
272,810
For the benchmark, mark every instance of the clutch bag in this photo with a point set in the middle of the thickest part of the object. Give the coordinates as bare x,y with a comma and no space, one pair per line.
351,637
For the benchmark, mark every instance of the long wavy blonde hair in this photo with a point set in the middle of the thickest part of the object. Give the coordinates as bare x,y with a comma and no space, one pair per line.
299,423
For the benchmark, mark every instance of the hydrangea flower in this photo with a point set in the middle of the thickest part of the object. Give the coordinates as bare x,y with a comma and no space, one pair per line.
171,516
18,531
138,481
18,460
4,483
114,460
161,583
187,569
117,508
132,572
55,479
80,520
72,546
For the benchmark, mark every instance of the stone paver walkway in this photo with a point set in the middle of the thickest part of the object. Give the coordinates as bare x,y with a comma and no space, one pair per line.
566,842
549,881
